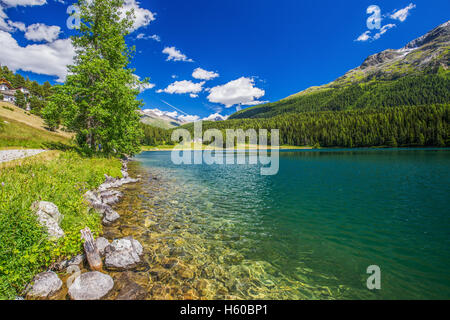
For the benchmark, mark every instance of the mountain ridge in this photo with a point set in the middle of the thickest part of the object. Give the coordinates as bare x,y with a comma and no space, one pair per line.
389,69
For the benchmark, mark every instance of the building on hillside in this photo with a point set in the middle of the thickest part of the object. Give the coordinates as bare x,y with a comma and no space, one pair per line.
8,92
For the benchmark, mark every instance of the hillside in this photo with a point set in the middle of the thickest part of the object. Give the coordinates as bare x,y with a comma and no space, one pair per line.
416,74
21,129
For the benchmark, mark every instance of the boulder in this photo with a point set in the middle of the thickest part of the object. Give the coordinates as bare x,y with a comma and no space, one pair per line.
91,286
110,216
45,285
110,197
101,243
48,208
123,254
49,217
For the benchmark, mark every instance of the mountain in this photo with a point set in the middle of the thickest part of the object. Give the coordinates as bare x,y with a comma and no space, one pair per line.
157,118
417,74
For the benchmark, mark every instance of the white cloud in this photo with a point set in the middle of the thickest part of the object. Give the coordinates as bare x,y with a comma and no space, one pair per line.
188,118
175,55
39,32
3,24
143,17
202,74
402,14
182,87
364,37
142,36
49,58
17,26
241,91
142,86
383,30
215,117
16,3
193,95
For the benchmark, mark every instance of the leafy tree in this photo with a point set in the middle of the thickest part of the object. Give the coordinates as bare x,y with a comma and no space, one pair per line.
20,99
46,89
2,97
52,116
98,100
19,81
36,104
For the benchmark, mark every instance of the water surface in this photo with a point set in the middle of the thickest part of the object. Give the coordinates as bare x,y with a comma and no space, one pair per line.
309,232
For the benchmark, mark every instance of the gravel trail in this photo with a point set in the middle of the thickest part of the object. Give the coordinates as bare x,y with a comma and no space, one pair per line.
9,155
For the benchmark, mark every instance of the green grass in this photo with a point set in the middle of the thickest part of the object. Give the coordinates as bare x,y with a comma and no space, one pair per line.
18,134
62,178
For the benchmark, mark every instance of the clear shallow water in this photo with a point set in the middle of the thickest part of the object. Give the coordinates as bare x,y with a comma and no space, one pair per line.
309,232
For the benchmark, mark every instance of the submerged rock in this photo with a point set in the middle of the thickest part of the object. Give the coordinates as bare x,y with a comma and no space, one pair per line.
49,217
123,254
110,216
45,285
91,286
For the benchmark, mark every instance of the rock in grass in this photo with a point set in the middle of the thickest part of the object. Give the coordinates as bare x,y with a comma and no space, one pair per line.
45,285
123,254
91,286
49,217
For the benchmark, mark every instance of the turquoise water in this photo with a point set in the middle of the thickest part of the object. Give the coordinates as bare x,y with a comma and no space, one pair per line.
311,231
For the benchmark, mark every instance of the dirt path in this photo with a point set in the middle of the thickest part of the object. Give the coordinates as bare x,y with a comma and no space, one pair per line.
9,155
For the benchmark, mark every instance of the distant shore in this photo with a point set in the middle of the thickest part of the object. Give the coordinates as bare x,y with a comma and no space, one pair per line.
203,147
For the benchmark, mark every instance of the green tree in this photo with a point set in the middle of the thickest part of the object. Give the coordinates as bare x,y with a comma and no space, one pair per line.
36,105
99,98
1,97
20,99
52,115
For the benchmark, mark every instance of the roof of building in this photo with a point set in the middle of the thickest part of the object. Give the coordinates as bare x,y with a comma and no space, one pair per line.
4,81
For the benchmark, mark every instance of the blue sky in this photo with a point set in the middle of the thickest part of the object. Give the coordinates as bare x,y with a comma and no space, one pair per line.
244,52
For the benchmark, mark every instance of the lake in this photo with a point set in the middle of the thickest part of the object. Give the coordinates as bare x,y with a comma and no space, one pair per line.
309,232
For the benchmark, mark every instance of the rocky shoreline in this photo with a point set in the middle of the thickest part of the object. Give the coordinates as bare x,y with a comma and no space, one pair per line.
100,255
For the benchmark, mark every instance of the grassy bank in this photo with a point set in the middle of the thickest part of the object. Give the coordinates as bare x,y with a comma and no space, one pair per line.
58,177
21,129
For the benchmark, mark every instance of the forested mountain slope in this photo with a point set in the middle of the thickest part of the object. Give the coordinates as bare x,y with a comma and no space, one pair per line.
417,74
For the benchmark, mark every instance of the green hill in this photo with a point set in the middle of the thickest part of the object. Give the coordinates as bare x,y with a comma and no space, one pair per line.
417,74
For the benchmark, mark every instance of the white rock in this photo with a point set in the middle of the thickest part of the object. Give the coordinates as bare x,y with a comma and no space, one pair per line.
123,254
49,217
45,284
91,286
101,244
110,217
